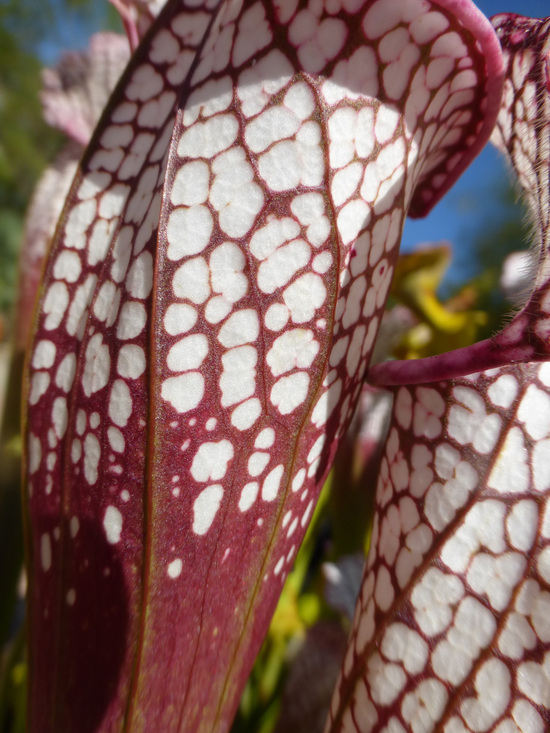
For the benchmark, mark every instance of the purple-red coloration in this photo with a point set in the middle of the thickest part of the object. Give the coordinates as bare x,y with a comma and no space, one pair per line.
205,322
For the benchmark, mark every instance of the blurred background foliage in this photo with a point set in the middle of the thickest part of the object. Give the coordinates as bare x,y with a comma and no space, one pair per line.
429,311
32,32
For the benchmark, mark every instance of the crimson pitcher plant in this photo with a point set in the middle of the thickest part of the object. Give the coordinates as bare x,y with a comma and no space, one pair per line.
204,325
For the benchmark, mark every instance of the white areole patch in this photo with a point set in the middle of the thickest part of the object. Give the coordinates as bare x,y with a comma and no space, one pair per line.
44,355
276,232
492,686
122,251
289,392
272,482
207,139
291,162
322,262
92,454
35,453
183,392
112,524
510,472
276,317
212,97
174,568
534,412
503,392
210,461
139,280
433,599
238,378
192,281
258,462
131,320
326,404
473,628
116,439
298,480
483,526
188,231
234,194
179,318
55,305
522,524
106,302
227,263
188,353
272,125
59,416
280,267
401,644
254,34
67,266
471,423
304,296
248,496
97,366
120,403
240,328
350,133
66,372
191,184
295,348
205,508
246,414
258,83
131,361
265,438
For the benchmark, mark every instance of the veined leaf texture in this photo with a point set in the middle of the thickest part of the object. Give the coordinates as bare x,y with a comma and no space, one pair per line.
204,326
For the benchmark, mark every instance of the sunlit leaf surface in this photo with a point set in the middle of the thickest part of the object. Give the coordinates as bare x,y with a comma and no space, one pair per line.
452,629
205,322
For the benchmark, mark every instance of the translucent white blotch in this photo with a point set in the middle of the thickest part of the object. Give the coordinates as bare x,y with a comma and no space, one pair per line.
210,461
241,328
265,438
248,496
131,361
298,480
510,472
245,415
270,487
503,392
39,386
184,392
120,403
205,508
534,412
295,348
112,524
92,454
174,568
290,392
44,355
